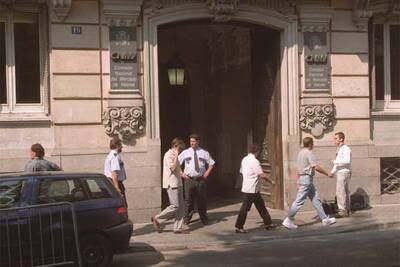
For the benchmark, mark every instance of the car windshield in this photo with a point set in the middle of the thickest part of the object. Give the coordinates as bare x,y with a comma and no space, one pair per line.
10,193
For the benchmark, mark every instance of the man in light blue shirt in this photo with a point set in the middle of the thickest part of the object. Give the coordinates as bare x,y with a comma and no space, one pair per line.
114,166
198,166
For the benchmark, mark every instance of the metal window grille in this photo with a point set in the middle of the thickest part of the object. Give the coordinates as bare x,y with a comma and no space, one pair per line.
390,175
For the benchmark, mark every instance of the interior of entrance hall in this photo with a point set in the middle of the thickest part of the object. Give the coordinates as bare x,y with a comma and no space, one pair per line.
230,96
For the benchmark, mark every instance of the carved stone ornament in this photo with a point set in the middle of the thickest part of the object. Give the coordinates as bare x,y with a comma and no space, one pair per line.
223,9
361,14
317,119
61,8
124,122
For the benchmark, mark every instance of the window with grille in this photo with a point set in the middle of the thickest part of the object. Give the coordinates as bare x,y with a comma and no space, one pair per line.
390,175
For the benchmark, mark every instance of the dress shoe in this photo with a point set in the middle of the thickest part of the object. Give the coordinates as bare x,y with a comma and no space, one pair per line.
343,213
156,224
205,222
270,226
241,231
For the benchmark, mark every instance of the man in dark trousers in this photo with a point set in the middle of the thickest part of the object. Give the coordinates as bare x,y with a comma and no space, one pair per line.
198,166
252,172
114,166
37,162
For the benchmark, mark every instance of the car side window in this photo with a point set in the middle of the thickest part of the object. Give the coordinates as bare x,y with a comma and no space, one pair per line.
10,193
57,190
97,188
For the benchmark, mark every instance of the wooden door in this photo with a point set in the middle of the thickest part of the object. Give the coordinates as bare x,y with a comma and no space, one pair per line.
267,111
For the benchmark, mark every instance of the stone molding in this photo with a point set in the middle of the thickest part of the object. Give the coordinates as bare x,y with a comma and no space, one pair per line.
122,12
60,8
224,9
315,19
317,119
383,7
125,122
363,10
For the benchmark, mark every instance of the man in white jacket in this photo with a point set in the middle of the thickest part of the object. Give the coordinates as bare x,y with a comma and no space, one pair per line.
173,183
342,169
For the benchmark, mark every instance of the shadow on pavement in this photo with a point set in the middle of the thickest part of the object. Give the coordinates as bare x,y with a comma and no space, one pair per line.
139,255
146,229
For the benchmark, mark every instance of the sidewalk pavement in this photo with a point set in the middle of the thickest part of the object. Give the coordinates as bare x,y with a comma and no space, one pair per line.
221,230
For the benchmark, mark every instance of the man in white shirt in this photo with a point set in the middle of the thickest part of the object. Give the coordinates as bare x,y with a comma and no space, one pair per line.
172,181
198,166
114,166
342,169
252,172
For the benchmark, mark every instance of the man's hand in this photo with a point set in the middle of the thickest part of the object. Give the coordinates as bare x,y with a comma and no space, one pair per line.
184,175
175,152
263,176
330,174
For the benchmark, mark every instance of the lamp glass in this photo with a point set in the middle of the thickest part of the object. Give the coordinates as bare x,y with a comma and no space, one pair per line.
172,76
180,76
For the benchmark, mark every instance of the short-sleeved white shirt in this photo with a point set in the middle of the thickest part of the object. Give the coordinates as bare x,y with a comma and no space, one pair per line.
187,157
251,170
112,163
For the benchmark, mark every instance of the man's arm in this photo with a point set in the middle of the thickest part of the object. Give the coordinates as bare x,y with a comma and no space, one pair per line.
173,160
114,176
54,167
208,171
114,171
29,167
211,164
259,170
321,170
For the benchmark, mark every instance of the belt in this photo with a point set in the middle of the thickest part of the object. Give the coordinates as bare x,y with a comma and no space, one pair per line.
198,178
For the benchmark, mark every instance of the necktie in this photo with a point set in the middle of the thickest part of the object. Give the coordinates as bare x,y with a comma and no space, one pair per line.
196,162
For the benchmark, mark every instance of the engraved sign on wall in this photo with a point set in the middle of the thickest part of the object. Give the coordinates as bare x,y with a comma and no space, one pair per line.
123,61
316,57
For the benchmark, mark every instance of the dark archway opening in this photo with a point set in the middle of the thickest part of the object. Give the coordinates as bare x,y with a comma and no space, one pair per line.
231,97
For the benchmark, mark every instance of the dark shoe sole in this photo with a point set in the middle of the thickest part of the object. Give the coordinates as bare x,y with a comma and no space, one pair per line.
182,232
270,226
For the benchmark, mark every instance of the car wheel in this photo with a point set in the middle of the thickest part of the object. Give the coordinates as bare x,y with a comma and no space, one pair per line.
95,251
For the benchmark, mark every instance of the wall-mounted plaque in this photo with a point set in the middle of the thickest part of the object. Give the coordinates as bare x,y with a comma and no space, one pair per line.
317,63
123,61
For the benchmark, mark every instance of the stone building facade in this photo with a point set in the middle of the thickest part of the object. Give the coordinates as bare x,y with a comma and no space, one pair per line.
75,72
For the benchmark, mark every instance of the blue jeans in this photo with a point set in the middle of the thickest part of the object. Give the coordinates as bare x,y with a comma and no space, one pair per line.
307,189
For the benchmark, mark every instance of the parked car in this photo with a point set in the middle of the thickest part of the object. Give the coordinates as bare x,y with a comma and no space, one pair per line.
103,227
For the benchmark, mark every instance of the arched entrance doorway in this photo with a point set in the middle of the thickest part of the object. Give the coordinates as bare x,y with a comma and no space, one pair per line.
237,91
230,96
